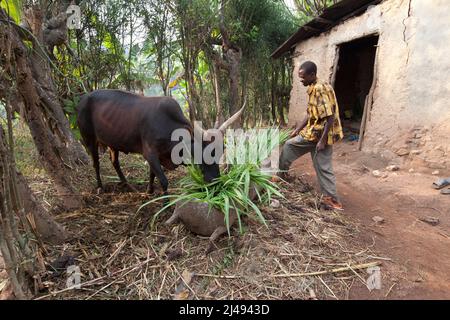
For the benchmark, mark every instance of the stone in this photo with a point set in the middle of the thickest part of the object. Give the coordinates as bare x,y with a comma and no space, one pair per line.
411,170
417,162
435,173
393,167
378,219
275,203
415,152
387,154
402,152
435,165
430,220
435,154
376,173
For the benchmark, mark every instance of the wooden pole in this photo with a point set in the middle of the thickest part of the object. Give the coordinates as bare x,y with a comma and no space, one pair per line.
368,102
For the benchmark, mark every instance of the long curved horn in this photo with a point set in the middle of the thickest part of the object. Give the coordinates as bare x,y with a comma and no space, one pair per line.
232,119
198,130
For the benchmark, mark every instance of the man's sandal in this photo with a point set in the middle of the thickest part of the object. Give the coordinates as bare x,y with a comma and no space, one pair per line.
441,183
331,204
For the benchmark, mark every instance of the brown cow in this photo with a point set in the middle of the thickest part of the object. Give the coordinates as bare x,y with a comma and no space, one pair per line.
130,123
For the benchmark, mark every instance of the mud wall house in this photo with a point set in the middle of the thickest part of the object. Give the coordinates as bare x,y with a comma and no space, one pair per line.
389,62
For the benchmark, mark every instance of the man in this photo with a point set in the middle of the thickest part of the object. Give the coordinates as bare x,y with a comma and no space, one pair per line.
316,134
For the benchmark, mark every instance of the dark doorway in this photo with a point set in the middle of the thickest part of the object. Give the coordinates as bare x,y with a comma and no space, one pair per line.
353,81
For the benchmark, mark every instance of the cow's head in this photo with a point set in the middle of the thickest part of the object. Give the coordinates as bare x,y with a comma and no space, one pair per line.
211,171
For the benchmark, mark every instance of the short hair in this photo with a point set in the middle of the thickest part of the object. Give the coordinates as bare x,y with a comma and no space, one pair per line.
309,67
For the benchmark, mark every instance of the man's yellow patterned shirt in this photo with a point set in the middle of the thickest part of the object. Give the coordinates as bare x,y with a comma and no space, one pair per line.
322,104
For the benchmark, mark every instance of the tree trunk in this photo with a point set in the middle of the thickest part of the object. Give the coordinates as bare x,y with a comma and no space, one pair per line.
47,229
36,101
194,101
233,56
219,112
17,231
274,93
282,98
130,50
39,63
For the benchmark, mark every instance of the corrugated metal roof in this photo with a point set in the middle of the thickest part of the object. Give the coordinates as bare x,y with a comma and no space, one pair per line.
330,17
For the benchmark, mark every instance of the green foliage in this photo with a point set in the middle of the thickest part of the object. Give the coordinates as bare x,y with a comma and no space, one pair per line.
71,112
310,9
259,24
231,190
254,146
13,8
144,45
258,27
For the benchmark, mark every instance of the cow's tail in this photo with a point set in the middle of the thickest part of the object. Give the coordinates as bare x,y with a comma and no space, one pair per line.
82,104
84,121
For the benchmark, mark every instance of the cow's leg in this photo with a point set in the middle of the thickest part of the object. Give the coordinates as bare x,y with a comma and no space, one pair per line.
155,169
93,148
114,154
151,182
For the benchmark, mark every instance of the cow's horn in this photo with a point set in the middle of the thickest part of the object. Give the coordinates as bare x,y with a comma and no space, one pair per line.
232,119
198,130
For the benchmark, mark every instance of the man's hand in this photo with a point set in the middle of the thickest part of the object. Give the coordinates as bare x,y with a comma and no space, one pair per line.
320,145
324,138
295,132
299,127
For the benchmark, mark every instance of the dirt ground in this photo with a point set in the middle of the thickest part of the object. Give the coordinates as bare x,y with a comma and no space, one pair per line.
298,256
418,253
117,264
123,259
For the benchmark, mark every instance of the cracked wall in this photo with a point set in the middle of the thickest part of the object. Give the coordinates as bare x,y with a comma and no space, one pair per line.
412,92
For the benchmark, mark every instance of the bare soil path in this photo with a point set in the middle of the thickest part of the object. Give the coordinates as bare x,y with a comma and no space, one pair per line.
418,252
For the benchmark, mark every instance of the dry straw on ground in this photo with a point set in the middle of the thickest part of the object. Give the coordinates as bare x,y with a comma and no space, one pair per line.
306,253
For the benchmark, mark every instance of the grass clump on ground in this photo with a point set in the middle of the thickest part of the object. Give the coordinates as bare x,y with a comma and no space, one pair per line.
231,191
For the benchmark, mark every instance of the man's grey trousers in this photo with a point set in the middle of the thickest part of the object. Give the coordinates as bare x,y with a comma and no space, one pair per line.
322,160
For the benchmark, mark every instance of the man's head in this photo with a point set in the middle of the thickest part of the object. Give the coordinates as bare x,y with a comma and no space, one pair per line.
308,73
